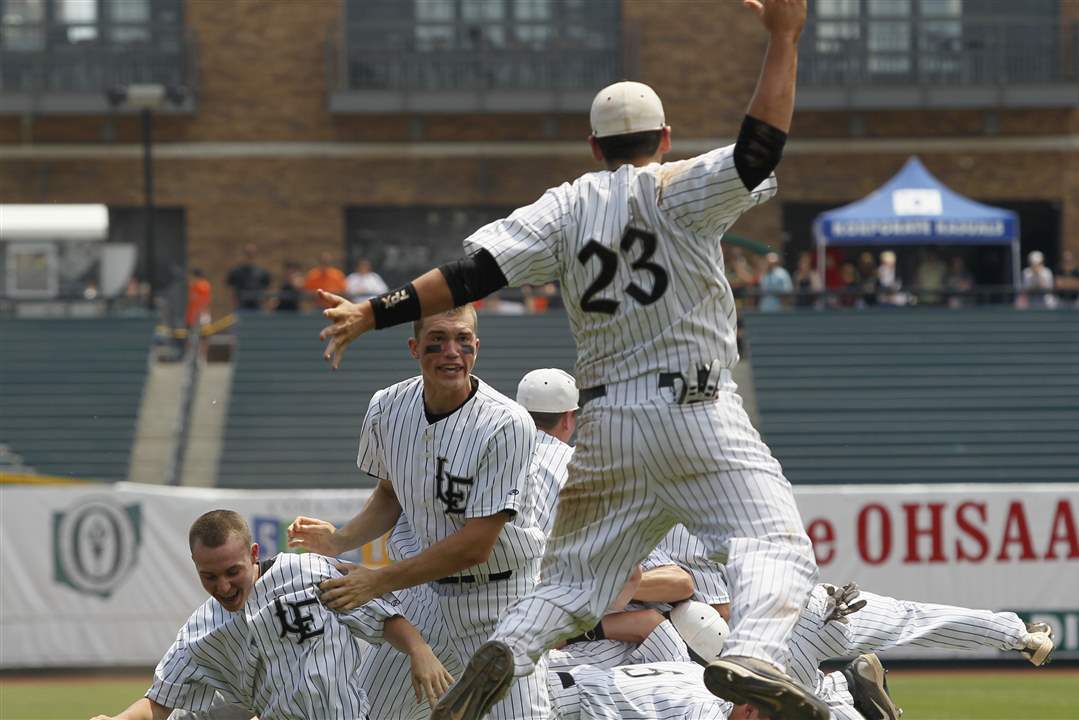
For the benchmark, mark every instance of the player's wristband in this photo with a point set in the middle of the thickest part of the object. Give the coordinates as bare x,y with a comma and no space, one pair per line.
595,633
396,307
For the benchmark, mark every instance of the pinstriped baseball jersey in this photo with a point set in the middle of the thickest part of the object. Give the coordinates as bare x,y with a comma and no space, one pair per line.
709,580
638,256
656,691
549,470
284,655
472,463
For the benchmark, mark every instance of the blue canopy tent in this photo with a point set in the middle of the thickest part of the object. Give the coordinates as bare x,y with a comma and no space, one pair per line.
914,208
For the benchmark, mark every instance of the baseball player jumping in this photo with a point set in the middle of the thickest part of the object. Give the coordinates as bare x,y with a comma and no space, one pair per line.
263,641
662,434
452,456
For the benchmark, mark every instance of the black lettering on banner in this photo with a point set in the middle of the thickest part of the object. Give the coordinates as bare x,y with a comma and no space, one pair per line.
446,488
296,621
609,267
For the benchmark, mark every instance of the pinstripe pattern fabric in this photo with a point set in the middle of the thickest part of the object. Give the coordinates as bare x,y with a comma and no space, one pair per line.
253,659
885,623
549,472
476,462
220,709
643,463
656,691
663,691
709,579
686,206
471,464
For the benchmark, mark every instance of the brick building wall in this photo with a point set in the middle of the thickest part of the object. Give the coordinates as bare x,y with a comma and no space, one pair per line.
263,160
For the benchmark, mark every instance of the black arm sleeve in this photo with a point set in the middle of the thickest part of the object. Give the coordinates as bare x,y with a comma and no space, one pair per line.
473,277
757,151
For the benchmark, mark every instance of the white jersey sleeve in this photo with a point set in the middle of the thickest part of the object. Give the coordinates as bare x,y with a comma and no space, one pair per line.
366,622
705,195
528,244
709,577
369,458
201,663
502,473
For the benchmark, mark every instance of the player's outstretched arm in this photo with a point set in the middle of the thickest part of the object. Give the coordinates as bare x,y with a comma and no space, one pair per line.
451,285
773,101
429,678
378,516
141,709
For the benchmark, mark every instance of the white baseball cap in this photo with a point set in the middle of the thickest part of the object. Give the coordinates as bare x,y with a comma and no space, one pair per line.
626,107
548,390
702,627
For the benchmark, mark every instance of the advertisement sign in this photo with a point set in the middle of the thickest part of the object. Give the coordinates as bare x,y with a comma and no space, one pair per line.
102,575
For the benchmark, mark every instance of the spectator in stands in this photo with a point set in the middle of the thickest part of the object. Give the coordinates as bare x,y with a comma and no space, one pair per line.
1067,280
867,279
497,305
888,282
848,297
290,292
540,298
324,276
775,284
740,275
198,300
1037,283
958,283
364,282
807,282
929,278
249,281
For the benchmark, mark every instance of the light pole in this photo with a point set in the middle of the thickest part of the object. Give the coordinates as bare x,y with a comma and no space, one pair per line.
146,98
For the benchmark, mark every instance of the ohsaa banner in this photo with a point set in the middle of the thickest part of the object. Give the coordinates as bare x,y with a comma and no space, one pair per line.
102,575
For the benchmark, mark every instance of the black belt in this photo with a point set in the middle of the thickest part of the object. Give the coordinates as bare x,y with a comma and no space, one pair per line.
666,380
458,579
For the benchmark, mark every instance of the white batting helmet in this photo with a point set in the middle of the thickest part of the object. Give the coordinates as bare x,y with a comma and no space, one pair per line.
702,627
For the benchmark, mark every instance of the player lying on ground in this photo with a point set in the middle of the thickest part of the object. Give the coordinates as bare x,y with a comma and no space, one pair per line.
663,437
842,622
452,456
264,642
676,691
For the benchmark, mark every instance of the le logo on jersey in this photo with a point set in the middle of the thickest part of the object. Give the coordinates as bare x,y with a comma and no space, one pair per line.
295,620
451,490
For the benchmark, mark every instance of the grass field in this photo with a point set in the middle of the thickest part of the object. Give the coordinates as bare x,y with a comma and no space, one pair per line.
1046,695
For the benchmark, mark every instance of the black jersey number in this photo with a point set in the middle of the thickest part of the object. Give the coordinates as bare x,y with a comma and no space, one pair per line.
608,260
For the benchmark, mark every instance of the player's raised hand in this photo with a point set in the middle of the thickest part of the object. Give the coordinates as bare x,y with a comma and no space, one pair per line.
357,586
429,678
350,320
780,17
314,535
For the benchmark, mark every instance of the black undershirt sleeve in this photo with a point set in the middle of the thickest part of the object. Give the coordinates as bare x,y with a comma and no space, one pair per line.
473,277
758,151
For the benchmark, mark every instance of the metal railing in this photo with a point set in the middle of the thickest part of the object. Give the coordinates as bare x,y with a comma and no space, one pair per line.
938,52
81,72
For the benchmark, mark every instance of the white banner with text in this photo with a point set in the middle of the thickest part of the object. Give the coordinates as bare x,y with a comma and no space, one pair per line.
102,576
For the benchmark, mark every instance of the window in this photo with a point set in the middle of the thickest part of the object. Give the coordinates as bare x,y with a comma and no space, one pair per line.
22,27
482,44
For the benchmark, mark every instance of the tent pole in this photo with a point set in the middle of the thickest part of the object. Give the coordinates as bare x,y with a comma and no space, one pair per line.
1017,272
820,259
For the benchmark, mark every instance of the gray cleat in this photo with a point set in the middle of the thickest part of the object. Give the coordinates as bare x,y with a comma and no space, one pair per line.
483,683
744,680
868,685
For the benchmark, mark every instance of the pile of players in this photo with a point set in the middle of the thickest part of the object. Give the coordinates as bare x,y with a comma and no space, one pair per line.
281,638
548,581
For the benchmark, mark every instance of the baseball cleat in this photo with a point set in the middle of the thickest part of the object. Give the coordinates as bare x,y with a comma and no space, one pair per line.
483,683
745,680
868,684
1039,645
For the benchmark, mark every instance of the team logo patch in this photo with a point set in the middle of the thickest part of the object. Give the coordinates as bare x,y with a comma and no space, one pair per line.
451,490
295,621
95,545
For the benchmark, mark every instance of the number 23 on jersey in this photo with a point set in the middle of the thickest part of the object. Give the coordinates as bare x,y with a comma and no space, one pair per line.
638,246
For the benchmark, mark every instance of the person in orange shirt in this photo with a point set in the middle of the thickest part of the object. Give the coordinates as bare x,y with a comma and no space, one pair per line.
325,276
198,299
